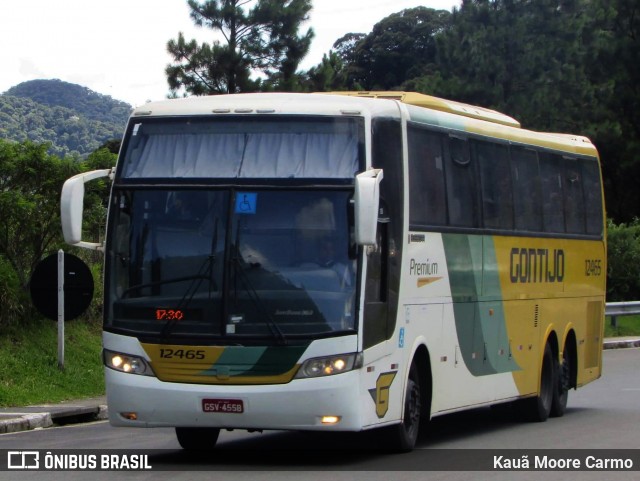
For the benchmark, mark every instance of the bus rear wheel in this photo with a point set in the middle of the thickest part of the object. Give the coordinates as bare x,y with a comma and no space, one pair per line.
563,383
197,439
538,408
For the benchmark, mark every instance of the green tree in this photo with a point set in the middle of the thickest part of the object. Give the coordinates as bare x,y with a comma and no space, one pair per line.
400,48
520,57
614,116
12,296
623,269
30,184
555,65
345,46
328,75
259,35
331,73
285,49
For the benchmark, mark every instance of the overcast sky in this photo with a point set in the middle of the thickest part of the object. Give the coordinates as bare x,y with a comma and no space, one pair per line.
118,47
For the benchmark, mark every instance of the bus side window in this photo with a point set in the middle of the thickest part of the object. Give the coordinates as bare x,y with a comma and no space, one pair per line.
592,196
495,176
526,188
427,202
461,185
552,201
573,197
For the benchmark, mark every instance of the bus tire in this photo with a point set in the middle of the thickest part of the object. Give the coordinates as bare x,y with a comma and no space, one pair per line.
197,439
563,383
538,408
403,436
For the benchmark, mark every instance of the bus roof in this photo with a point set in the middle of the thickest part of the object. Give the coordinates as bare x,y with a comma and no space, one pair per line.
266,103
421,108
435,103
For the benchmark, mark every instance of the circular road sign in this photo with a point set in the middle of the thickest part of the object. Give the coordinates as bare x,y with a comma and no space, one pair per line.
78,287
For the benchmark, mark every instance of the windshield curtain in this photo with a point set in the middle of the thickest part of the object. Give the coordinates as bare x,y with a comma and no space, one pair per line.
242,148
229,264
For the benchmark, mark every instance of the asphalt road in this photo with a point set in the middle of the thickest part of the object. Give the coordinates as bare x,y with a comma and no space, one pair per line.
605,415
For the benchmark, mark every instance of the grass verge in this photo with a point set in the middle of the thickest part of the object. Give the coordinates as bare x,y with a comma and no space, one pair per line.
625,326
29,372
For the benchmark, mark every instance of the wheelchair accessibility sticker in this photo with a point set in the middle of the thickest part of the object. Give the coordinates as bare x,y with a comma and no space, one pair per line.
246,202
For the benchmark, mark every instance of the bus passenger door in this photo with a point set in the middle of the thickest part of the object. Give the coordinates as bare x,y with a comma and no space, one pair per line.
376,309
382,380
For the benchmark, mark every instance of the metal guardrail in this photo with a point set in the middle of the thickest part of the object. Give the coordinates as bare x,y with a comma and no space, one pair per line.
617,309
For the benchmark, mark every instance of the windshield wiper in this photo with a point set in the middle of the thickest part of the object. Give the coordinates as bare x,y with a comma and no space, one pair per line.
257,301
253,295
205,272
200,277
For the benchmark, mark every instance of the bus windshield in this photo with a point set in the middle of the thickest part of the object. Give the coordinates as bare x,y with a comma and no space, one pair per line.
228,263
242,148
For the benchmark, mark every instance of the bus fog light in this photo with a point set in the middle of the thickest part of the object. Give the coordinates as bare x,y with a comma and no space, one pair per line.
330,365
127,363
330,419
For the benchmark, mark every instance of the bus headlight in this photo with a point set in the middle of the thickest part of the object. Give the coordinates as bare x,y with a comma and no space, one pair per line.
127,363
329,365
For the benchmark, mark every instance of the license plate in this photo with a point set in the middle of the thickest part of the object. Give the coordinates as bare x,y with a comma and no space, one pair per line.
225,406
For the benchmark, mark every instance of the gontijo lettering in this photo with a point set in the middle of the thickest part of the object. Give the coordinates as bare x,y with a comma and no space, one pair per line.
528,265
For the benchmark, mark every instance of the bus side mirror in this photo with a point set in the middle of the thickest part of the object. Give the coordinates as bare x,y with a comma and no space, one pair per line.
72,204
367,201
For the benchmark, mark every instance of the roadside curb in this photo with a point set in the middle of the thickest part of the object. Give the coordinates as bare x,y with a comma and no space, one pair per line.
621,344
40,417
25,422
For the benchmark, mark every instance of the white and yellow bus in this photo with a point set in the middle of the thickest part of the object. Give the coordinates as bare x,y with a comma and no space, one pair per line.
342,263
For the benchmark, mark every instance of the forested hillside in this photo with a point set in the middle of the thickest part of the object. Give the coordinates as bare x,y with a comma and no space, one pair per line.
82,100
72,119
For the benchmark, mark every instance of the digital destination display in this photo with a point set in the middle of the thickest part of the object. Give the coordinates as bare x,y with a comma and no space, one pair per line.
170,314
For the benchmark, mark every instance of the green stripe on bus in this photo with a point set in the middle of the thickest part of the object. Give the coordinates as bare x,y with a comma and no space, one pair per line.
256,361
479,315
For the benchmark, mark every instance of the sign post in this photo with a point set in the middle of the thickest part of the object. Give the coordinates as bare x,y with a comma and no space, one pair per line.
61,288
61,310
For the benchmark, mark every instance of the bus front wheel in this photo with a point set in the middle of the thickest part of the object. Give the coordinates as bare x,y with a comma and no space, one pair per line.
197,439
403,436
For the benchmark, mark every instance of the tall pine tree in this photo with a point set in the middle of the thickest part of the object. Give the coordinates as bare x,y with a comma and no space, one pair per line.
259,35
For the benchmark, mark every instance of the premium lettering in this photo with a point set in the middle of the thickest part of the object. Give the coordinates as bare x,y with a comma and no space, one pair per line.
423,268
